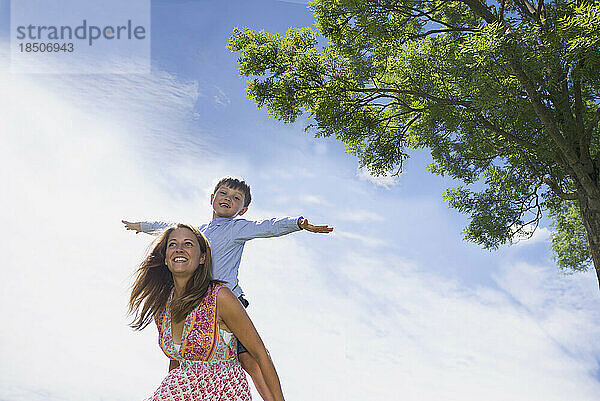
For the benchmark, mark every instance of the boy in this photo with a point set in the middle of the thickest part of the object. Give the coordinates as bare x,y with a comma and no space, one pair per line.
227,236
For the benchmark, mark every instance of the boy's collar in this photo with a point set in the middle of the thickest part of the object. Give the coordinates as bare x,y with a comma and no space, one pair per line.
219,220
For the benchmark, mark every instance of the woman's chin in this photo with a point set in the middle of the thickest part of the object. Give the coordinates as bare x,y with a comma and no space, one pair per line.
180,270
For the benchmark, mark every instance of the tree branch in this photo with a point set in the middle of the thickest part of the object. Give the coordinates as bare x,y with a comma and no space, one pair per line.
481,159
540,109
558,191
583,139
526,8
480,9
593,123
489,125
425,34
452,102
541,15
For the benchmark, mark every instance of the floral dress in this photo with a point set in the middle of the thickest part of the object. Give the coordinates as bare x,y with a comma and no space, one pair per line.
208,369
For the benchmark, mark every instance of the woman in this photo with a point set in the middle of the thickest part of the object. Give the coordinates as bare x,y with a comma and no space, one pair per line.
198,321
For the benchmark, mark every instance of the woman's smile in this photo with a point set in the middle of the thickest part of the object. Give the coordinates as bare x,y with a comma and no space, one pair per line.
183,253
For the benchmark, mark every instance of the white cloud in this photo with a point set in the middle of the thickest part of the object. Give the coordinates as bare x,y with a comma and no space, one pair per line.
371,326
341,321
221,97
564,308
364,239
304,2
313,199
286,174
77,155
320,148
530,235
385,181
359,215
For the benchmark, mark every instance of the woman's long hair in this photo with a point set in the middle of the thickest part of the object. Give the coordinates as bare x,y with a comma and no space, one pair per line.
153,283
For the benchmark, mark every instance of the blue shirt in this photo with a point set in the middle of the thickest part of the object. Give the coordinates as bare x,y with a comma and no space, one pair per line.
227,237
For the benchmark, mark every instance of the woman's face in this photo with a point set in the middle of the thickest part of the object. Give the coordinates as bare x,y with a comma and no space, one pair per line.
183,254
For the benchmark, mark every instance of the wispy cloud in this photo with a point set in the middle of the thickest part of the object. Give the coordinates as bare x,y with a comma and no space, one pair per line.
385,181
355,322
364,239
378,327
314,199
290,175
359,215
221,97
79,154
305,2
562,308
531,235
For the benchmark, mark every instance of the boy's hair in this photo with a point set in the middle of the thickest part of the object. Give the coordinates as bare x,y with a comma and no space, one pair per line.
235,183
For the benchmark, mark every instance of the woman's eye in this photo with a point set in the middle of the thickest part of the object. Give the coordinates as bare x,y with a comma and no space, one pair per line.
237,198
189,244
172,244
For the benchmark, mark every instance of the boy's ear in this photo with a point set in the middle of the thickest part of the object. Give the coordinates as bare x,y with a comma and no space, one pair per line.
243,210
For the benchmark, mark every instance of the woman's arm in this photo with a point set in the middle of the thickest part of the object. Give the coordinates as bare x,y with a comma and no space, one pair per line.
235,317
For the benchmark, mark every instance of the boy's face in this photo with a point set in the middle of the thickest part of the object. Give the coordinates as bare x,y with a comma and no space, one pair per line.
227,202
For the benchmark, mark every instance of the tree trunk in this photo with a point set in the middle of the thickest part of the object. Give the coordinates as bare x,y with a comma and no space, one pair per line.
590,215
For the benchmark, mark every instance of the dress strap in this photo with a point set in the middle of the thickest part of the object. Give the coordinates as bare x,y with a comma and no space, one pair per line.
202,334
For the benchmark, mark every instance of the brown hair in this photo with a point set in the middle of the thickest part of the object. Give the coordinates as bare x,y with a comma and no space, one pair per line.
153,283
235,183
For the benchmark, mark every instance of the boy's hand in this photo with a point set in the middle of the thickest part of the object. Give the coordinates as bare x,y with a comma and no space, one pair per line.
305,225
132,226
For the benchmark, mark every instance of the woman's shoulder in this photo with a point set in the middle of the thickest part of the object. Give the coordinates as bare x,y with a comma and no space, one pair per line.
222,293
216,291
217,285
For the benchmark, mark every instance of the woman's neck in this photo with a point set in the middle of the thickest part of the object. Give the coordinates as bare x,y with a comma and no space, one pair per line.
180,283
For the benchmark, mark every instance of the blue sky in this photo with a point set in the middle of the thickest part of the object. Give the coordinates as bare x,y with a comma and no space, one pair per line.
392,305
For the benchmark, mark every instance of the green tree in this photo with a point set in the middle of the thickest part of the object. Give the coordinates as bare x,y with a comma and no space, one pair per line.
505,95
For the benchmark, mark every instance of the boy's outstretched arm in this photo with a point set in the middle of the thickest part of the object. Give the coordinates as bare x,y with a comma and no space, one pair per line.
245,230
132,226
152,228
305,225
